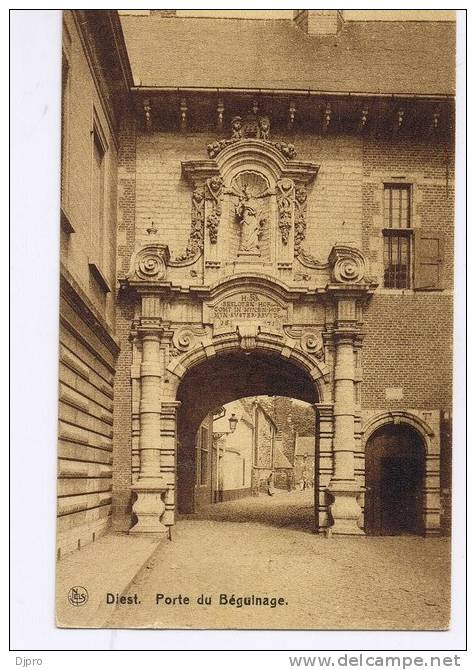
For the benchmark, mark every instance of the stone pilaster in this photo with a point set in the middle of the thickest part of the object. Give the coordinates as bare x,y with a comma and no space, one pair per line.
343,486
151,485
350,287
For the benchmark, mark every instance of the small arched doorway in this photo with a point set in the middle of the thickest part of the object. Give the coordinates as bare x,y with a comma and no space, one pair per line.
394,481
220,380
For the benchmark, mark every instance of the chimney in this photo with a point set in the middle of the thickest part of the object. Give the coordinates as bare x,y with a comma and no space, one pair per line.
319,21
164,13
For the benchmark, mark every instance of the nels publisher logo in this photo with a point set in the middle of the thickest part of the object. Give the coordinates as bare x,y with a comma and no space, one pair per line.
78,596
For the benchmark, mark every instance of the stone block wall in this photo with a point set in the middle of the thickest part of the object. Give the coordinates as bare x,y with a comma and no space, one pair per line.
84,111
87,343
85,450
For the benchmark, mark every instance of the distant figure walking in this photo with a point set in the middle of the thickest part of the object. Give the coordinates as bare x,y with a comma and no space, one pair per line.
290,481
270,484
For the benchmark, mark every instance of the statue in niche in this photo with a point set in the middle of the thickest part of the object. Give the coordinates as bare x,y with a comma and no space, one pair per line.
250,218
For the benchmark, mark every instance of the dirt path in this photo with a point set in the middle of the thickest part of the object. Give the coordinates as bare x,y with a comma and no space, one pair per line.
265,547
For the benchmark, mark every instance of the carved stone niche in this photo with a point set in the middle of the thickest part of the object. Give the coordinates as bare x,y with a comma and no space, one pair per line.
149,263
253,200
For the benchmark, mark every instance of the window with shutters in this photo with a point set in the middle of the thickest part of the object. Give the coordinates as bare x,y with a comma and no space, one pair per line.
429,252
413,257
397,235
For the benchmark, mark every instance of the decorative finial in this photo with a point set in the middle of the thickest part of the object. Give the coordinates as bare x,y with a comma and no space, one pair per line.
292,112
220,112
183,114
153,228
148,114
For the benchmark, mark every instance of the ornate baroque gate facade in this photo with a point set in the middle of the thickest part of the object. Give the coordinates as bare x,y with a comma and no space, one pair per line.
248,236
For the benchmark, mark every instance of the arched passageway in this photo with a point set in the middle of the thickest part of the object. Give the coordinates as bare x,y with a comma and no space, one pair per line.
394,477
218,381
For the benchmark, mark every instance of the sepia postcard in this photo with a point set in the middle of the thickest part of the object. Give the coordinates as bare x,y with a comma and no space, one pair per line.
255,380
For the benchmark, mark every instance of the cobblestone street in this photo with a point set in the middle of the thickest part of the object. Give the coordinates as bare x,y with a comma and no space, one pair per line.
264,546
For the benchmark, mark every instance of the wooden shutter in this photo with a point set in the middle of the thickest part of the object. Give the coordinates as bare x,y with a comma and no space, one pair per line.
428,254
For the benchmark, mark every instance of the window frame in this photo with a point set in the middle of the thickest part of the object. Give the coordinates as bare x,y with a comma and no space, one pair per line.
98,139
398,232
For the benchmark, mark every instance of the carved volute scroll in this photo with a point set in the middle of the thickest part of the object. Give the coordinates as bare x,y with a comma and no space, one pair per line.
348,264
149,263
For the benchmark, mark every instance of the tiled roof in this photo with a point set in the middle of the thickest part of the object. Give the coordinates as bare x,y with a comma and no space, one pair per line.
406,57
305,446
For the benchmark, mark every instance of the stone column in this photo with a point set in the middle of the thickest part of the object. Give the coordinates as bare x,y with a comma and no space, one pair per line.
343,486
151,485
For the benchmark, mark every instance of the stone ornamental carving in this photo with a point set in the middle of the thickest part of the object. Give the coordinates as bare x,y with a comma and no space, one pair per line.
288,150
150,262
187,338
253,126
300,202
247,334
214,193
264,127
348,264
236,128
195,240
285,202
184,339
263,197
311,342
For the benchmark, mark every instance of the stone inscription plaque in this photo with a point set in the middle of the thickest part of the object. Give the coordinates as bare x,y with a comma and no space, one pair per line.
248,307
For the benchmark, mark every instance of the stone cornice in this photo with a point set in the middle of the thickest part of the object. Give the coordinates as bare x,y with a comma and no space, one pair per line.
92,33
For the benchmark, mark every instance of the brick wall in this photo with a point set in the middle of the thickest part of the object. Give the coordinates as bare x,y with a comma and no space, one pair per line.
408,345
408,334
428,167
126,234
